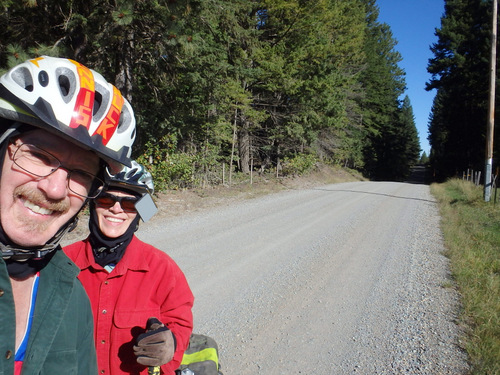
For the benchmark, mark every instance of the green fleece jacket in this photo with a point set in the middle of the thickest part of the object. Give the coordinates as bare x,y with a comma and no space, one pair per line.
61,339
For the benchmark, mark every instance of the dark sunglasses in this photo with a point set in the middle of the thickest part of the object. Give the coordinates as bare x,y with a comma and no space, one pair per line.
107,200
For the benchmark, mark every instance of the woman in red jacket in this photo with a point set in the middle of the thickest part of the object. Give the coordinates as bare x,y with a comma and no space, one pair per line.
140,298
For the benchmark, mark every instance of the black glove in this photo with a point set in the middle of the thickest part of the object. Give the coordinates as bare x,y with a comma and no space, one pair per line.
156,346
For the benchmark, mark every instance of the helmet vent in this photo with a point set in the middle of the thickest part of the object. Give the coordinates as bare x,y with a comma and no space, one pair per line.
23,78
43,78
66,82
125,120
101,101
97,102
64,85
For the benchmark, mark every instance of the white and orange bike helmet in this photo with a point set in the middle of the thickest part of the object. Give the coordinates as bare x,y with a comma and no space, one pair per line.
72,101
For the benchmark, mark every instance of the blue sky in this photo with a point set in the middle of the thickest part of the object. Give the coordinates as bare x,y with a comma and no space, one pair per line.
413,23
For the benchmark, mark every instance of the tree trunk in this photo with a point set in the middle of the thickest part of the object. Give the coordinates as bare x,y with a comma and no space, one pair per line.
233,146
124,75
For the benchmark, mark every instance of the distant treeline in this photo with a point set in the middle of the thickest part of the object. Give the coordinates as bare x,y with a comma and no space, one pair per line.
262,84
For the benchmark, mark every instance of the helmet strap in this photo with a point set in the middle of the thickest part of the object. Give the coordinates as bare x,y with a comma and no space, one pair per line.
10,132
19,254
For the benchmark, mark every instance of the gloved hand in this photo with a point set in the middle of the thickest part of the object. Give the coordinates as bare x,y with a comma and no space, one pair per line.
156,346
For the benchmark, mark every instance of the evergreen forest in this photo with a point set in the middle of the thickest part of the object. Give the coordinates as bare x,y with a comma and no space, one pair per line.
460,74
268,85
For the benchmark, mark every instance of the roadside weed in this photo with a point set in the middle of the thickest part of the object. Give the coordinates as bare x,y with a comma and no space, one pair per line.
471,229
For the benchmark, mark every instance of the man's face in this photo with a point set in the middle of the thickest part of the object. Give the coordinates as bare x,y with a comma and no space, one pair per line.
33,209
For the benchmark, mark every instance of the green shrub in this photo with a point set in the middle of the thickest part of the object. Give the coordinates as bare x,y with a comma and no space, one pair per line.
298,165
170,169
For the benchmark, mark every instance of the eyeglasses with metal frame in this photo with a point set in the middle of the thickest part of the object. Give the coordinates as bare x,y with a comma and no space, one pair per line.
41,163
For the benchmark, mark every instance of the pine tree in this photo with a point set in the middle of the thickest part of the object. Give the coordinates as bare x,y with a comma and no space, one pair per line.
383,83
459,69
408,137
310,59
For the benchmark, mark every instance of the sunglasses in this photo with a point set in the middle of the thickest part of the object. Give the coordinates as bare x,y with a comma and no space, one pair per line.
107,200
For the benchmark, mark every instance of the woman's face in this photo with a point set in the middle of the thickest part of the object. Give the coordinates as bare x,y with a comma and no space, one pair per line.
115,217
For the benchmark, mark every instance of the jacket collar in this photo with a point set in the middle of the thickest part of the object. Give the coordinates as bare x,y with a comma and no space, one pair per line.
132,259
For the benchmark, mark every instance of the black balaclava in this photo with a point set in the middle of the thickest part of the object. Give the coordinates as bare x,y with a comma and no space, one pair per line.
21,269
109,250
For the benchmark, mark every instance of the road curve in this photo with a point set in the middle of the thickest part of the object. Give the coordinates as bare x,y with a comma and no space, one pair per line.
342,279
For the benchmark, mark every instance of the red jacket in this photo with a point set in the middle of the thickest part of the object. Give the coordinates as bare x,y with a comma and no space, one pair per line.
145,283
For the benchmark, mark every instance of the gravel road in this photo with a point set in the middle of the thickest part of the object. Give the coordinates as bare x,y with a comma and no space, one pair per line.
341,279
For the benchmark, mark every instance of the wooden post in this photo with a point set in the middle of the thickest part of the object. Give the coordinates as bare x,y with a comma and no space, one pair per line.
251,171
251,163
491,108
233,146
223,174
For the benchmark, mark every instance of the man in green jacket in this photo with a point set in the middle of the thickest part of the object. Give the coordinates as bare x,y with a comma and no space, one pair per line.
61,125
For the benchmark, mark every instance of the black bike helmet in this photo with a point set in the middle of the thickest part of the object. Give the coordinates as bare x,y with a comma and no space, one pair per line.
137,180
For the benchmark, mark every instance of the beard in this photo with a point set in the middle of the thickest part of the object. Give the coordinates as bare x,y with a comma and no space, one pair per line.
38,198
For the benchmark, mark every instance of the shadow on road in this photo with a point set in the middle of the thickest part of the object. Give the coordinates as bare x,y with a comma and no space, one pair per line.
419,175
373,193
